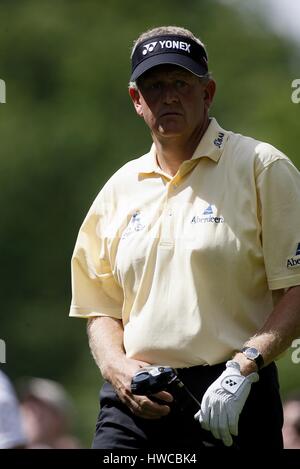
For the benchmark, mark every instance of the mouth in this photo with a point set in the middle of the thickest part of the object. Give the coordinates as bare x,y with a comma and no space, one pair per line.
169,113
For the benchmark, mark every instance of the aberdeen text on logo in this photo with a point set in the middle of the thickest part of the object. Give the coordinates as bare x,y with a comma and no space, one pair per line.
294,261
207,217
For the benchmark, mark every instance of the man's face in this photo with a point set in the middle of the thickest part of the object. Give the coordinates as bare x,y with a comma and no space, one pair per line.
172,100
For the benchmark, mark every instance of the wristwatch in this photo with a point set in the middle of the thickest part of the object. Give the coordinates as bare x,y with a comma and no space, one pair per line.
253,354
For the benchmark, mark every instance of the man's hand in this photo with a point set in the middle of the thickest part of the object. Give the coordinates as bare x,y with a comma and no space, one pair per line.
106,337
223,402
120,377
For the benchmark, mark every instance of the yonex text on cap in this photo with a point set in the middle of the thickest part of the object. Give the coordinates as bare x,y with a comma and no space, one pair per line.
169,49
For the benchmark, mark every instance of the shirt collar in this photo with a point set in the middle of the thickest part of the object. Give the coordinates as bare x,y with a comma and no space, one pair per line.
212,143
211,146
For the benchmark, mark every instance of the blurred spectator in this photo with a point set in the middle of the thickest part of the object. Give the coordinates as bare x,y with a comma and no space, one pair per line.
12,435
46,412
291,426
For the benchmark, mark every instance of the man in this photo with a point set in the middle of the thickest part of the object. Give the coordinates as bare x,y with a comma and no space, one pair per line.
291,425
46,411
189,257
12,434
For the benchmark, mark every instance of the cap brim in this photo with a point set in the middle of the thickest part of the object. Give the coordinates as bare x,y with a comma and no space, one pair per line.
175,59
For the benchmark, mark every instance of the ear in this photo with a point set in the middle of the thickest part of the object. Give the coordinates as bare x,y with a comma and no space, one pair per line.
209,92
136,99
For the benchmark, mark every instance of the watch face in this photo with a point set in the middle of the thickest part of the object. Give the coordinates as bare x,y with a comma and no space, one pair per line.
251,353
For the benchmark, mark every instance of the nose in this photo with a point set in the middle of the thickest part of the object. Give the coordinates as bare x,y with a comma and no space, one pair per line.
170,94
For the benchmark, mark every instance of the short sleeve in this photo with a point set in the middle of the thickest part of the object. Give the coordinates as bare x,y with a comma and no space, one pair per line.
95,291
278,187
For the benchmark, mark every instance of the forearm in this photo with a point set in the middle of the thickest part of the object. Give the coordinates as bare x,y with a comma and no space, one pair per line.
278,332
106,342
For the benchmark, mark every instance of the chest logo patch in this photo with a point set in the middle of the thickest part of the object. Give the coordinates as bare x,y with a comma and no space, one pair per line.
135,224
207,216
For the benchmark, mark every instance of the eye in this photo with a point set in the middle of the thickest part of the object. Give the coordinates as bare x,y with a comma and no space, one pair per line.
156,85
181,84
153,86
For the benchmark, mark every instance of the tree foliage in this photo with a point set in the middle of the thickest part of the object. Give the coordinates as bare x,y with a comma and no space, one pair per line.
68,124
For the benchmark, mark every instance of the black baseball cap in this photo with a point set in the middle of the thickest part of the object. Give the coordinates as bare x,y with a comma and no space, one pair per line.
169,49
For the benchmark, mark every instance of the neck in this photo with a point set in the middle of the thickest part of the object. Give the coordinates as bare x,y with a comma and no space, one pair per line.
172,151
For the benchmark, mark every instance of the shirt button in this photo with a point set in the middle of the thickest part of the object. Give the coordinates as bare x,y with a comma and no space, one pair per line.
170,213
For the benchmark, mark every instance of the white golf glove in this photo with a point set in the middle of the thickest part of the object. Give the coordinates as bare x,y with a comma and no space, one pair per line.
223,402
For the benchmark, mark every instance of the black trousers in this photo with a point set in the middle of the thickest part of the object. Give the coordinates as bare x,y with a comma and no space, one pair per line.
260,421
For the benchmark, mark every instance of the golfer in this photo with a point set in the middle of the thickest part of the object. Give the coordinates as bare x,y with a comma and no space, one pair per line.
190,257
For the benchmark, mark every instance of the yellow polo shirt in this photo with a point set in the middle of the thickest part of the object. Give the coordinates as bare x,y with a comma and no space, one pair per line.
189,262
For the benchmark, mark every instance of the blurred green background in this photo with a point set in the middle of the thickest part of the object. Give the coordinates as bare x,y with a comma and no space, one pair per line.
68,124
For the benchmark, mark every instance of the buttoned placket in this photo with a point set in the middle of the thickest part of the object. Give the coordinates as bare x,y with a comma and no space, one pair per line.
167,231
167,238
168,226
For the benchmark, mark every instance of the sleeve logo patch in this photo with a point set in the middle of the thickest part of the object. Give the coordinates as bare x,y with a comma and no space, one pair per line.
294,261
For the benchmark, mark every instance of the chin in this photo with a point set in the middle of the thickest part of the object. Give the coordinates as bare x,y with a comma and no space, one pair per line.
170,131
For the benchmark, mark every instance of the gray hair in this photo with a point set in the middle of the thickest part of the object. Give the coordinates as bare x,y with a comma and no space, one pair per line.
167,30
